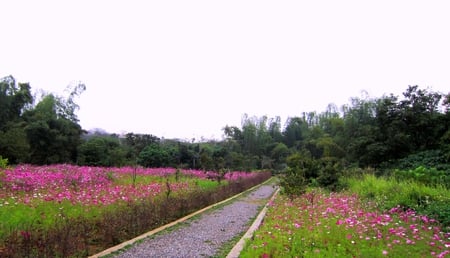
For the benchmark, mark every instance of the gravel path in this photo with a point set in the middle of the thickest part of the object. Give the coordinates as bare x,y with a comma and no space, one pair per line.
204,235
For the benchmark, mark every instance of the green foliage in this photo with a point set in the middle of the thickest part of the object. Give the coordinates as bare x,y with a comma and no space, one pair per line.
341,225
14,99
439,210
302,171
297,176
61,229
102,151
437,158
293,133
3,162
207,184
14,144
294,182
384,129
66,108
53,141
329,173
389,193
154,156
139,141
426,176
400,132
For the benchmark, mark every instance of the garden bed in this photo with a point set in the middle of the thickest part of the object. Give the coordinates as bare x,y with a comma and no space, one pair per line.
66,210
323,224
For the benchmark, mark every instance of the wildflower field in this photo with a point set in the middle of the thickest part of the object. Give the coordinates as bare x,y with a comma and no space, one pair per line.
65,210
320,223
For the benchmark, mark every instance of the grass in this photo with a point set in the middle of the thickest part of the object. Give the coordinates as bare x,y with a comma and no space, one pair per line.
324,224
208,184
224,249
65,210
43,214
387,193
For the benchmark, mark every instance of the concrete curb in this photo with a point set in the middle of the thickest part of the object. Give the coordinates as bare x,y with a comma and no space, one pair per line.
234,253
145,235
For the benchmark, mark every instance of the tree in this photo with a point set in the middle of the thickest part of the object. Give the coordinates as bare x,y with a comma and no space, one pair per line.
13,100
279,154
419,110
53,131
293,132
329,172
14,145
66,108
249,136
275,129
301,169
206,158
360,131
139,141
154,156
102,151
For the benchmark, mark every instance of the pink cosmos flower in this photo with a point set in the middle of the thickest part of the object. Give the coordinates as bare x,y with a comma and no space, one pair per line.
443,254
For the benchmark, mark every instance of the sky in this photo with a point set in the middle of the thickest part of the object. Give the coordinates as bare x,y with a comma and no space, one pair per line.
185,69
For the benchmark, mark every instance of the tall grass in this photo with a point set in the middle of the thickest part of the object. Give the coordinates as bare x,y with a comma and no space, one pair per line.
388,193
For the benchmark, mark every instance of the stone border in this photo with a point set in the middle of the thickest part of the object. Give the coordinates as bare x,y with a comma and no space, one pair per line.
145,235
234,253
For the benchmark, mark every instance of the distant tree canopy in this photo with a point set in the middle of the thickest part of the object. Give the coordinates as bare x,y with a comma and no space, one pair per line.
45,133
367,132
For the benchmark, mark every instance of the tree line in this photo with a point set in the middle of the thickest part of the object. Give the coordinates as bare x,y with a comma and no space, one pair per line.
368,132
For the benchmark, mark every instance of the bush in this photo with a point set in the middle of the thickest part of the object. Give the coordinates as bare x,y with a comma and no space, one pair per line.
389,193
304,171
294,182
438,159
3,162
329,173
299,174
426,176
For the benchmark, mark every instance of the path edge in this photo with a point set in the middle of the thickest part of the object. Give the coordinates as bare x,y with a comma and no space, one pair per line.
236,250
154,231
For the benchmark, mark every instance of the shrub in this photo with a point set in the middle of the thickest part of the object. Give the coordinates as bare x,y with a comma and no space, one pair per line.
388,193
3,162
294,182
329,173
438,159
426,176
299,173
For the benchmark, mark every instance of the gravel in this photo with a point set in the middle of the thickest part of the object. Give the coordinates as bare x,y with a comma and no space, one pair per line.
204,235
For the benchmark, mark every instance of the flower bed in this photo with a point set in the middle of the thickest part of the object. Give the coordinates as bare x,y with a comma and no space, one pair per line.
65,210
320,224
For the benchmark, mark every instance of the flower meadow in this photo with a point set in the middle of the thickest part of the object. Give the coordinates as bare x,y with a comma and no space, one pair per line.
322,224
38,203
90,185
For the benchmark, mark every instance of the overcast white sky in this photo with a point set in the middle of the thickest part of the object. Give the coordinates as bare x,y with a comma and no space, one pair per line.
187,68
